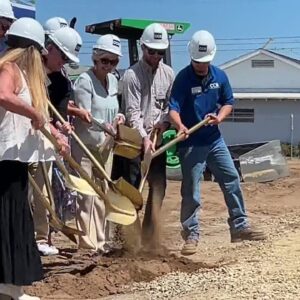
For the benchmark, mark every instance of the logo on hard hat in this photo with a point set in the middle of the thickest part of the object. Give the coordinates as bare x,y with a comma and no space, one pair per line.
157,35
77,48
116,43
202,48
63,24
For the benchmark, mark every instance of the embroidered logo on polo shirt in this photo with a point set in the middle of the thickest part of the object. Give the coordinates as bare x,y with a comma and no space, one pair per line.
202,48
214,85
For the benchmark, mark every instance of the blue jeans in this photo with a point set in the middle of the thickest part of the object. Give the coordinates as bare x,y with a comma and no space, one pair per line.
218,159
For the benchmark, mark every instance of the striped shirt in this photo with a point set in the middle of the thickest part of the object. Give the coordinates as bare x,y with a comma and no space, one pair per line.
145,95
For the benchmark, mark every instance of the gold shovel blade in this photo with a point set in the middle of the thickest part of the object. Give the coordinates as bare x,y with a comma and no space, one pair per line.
79,185
123,203
130,192
130,135
126,149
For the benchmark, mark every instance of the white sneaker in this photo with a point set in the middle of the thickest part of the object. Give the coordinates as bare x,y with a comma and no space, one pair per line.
47,250
16,292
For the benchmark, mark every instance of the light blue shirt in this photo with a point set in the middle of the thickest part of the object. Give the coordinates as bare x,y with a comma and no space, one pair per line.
103,104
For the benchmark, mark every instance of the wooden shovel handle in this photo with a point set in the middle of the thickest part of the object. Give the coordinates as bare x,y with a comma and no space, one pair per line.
144,176
82,145
180,138
55,221
83,174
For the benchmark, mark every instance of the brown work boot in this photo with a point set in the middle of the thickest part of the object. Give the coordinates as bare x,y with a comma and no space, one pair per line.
247,234
189,247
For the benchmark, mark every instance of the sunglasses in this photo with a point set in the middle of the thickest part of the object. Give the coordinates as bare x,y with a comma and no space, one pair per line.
155,51
63,56
106,61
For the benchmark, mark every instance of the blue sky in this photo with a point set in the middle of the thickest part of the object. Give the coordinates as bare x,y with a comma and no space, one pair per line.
239,26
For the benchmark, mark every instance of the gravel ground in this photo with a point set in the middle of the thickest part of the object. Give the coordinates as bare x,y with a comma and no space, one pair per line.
269,270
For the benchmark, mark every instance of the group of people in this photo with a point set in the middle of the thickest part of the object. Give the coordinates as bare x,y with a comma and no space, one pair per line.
153,99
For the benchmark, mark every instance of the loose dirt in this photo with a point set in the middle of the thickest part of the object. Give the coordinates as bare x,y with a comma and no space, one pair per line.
219,270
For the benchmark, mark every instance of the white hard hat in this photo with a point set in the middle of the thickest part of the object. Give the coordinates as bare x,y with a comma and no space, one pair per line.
68,41
110,43
52,24
28,29
155,37
202,47
6,10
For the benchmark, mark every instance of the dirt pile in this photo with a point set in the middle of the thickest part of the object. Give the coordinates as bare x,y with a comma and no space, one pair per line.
80,275
275,206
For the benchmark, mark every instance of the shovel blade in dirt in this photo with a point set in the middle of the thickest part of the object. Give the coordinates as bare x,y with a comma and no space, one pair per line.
60,228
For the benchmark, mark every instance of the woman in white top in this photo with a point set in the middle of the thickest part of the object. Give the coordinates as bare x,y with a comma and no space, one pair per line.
96,91
23,110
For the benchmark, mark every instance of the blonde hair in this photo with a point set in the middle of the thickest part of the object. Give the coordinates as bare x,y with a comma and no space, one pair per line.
30,62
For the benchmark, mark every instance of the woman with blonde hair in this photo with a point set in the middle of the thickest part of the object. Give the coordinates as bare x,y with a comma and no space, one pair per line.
96,91
23,110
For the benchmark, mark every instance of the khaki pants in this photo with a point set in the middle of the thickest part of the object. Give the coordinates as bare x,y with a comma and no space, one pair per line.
40,213
90,210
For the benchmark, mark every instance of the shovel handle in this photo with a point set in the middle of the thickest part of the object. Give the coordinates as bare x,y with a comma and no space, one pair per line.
103,127
83,174
180,138
144,176
54,221
47,182
81,144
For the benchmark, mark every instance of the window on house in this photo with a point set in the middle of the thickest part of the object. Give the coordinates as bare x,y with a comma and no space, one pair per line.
241,115
262,63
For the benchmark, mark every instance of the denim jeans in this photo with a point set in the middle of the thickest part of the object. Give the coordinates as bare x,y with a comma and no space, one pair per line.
217,157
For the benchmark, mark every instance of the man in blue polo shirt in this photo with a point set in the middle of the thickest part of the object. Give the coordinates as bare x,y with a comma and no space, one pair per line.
202,90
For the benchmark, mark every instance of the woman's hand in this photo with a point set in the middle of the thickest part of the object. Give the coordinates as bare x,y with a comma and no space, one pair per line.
63,144
120,119
38,121
66,127
84,115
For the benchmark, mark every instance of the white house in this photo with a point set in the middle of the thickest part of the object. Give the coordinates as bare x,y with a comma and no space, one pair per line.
266,87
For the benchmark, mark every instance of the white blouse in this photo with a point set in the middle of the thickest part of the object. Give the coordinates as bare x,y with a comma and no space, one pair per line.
18,140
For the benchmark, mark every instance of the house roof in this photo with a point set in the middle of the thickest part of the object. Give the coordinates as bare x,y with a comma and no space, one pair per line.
265,96
291,61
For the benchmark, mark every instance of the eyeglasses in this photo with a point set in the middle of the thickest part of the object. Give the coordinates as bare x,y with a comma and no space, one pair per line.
155,51
106,61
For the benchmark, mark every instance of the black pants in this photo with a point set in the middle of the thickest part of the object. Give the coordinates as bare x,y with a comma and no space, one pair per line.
20,262
130,170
